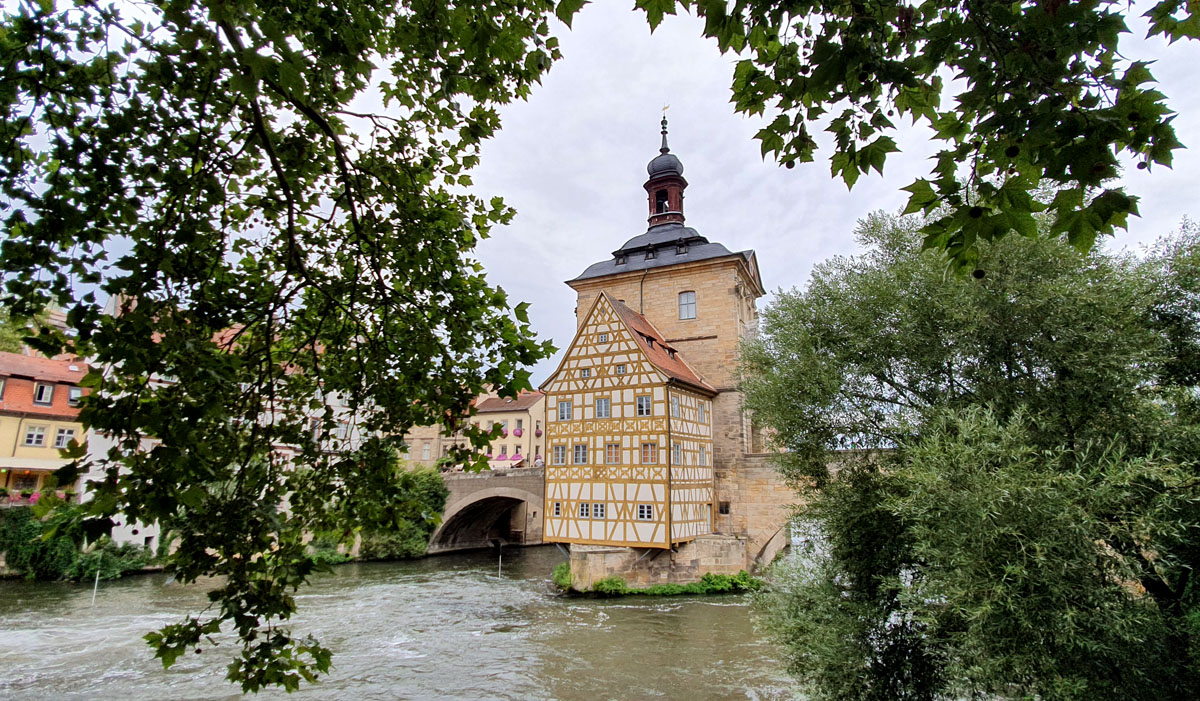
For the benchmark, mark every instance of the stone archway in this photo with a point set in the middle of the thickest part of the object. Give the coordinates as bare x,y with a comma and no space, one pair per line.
510,516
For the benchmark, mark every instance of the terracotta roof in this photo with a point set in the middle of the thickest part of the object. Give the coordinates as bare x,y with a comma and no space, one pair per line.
521,403
657,350
41,368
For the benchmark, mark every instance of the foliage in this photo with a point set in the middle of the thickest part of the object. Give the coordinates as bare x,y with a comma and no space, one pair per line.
425,498
44,542
1046,93
710,583
269,250
110,560
562,576
1021,515
326,550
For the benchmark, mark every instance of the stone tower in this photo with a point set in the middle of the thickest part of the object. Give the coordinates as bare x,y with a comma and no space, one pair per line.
698,293
699,299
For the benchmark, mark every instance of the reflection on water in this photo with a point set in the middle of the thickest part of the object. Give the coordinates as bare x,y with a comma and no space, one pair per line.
439,628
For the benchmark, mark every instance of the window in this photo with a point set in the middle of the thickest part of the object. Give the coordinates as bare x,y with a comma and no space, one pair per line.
491,425
703,418
723,508
560,455
621,369
651,254
564,411
584,509
43,393
598,510
63,437
703,456
676,454
603,410
612,454
649,453
516,450
603,338
586,372
558,508
644,407
74,394
425,447
661,202
621,261
2,383
581,454
504,449
520,424
687,305
675,407
35,435
645,512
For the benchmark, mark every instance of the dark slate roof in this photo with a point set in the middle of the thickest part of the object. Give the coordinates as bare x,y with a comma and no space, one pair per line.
663,240
663,164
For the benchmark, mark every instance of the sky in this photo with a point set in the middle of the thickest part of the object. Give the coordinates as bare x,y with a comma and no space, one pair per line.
572,160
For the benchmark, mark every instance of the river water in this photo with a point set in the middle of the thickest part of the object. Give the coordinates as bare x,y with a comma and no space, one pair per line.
443,627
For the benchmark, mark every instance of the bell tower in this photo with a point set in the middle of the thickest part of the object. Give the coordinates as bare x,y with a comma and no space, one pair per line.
666,185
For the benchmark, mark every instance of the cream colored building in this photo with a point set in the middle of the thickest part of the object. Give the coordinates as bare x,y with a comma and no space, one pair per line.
520,443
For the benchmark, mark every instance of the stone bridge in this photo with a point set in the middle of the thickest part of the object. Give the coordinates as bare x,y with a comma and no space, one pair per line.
488,507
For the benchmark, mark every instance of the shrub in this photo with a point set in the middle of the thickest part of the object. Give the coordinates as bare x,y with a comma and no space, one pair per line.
709,584
109,559
611,586
562,576
418,510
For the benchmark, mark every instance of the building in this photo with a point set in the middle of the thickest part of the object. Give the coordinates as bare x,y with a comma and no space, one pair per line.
39,416
519,444
661,319
630,437
521,428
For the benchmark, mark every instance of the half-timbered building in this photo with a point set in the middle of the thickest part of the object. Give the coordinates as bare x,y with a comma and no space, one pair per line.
629,437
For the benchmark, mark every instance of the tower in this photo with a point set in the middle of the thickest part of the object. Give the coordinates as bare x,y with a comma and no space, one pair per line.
643,415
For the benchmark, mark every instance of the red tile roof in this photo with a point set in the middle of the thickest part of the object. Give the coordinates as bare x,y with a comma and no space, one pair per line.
40,368
657,350
521,403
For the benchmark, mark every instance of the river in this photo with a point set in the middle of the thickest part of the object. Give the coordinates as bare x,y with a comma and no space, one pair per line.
444,627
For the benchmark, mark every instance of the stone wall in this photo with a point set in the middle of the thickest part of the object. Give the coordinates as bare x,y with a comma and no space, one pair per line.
719,554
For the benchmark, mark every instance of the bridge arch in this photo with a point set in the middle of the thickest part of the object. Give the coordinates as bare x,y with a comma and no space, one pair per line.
508,514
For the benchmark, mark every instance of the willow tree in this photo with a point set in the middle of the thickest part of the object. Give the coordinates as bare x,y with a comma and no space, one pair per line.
1021,516
269,241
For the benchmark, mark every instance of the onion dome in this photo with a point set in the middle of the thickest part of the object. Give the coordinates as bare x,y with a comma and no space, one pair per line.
665,162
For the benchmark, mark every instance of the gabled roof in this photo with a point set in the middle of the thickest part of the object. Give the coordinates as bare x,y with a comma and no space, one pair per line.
523,401
65,370
657,350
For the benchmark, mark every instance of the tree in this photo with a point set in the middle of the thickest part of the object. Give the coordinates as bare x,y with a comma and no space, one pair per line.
276,253
1020,517
1045,94
273,256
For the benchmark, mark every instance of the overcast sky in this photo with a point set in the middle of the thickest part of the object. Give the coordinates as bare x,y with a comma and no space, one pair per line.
572,161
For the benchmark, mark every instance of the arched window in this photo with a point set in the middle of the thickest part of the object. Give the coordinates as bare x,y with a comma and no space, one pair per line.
660,202
687,305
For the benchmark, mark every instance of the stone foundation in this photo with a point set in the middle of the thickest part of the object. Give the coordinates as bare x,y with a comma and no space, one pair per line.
642,567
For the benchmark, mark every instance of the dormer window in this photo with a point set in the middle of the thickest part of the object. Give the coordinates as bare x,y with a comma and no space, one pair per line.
650,254
661,203
681,249
621,261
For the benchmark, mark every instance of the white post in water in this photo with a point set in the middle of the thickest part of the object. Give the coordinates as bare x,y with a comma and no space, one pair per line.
499,563
96,586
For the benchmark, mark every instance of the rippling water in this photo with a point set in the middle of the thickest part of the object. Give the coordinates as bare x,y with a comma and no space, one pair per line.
440,628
